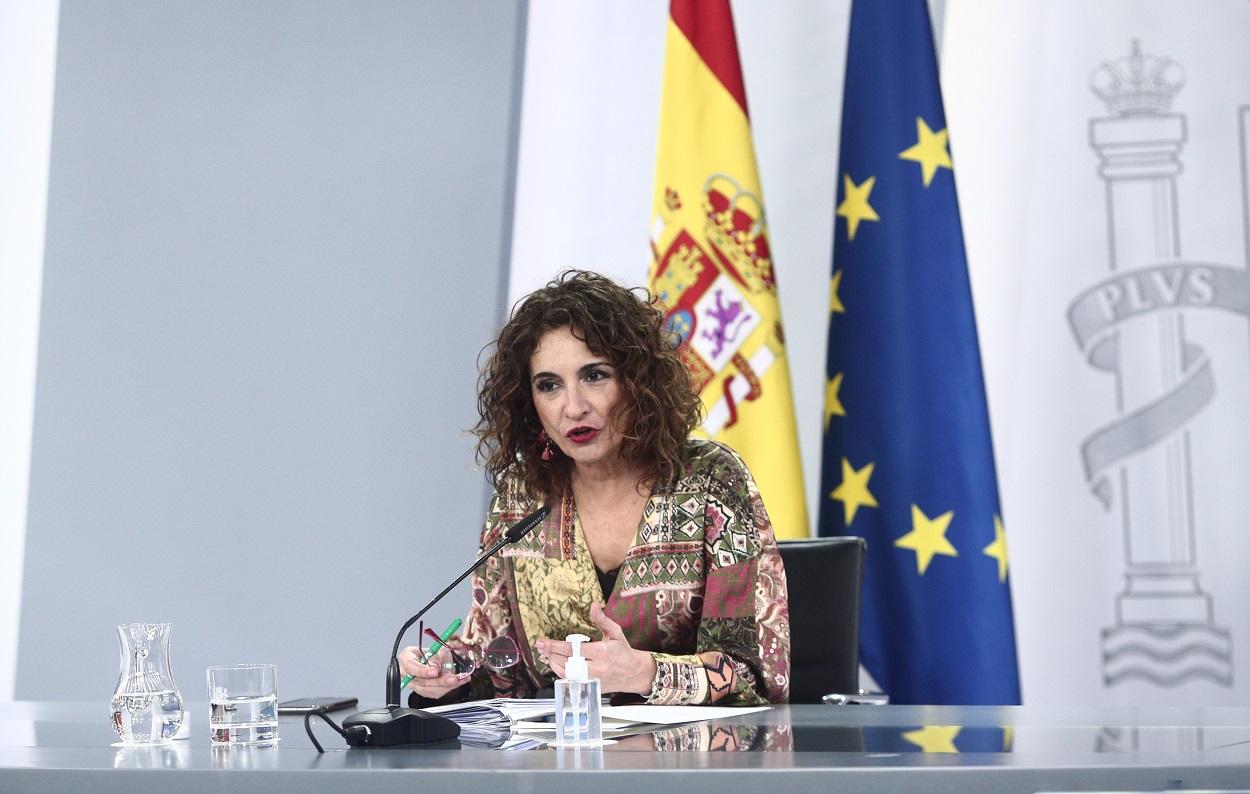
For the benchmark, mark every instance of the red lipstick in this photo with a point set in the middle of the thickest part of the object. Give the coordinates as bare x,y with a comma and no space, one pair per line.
582,434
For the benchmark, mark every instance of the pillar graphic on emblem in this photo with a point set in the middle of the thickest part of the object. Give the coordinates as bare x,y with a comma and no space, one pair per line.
1139,465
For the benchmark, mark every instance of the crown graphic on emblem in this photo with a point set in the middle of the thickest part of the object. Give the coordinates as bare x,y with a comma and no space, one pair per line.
1139,84
736,229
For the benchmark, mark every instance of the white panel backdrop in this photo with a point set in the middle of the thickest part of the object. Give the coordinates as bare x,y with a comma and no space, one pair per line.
27,66
1145,599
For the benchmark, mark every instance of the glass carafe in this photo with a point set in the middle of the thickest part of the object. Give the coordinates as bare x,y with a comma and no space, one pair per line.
146,707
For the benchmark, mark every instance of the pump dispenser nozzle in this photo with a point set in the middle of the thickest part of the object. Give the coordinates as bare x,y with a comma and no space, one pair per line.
575,669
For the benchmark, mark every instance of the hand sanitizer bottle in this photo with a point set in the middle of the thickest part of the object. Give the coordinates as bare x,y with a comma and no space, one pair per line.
577,700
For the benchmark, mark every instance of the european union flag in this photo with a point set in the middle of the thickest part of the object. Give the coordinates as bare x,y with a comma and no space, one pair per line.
907,456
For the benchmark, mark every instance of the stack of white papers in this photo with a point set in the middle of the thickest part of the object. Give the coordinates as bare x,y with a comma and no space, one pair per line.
521,710
480,724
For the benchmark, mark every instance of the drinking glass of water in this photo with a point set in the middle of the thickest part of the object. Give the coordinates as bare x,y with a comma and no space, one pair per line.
243,702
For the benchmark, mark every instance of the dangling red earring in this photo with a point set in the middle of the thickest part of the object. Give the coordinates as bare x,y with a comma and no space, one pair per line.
548,452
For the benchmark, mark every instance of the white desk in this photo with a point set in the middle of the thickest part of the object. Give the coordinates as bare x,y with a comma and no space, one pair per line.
66,746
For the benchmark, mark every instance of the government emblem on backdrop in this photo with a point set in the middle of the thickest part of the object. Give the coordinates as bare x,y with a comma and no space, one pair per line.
1131,325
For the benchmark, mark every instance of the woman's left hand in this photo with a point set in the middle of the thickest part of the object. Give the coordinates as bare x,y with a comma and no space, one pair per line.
618,667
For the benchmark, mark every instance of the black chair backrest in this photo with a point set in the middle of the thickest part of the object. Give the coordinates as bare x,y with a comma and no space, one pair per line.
823,577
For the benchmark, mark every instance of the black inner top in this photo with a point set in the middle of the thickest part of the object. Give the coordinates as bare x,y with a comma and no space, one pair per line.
607,581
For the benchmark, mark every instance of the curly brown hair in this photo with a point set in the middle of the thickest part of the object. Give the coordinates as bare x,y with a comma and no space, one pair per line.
658,406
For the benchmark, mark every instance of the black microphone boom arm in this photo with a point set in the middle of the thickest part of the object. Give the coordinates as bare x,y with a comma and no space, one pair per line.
394,725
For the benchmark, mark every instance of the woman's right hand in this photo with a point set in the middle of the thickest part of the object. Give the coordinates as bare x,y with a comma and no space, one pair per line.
429,680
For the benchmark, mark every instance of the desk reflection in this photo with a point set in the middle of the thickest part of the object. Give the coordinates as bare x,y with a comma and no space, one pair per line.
898,739
245,756
152,756
712,737
934,738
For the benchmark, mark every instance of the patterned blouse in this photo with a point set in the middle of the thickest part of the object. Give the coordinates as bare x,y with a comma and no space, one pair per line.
702,588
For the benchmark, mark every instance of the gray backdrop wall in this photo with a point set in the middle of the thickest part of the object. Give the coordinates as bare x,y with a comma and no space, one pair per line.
275,243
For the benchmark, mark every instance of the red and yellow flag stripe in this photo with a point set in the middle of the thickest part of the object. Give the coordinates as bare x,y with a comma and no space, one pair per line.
712,262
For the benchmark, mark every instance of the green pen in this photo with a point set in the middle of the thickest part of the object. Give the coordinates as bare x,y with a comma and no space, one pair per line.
447,634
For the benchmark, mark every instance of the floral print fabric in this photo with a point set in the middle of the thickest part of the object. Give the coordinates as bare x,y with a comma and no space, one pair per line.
702,588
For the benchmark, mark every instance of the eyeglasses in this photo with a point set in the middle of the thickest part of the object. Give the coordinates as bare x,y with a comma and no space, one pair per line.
499,654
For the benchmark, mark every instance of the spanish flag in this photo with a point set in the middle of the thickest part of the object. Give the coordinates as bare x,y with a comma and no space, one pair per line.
711,263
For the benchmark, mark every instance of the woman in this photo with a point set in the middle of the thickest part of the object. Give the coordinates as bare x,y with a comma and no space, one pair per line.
657,544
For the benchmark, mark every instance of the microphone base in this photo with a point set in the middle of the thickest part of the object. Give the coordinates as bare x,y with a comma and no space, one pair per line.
395,726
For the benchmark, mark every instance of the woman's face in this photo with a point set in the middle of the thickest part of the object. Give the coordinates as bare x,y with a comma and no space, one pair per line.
575,392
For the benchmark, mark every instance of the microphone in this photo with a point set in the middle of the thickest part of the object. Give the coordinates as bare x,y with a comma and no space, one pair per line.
393,725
